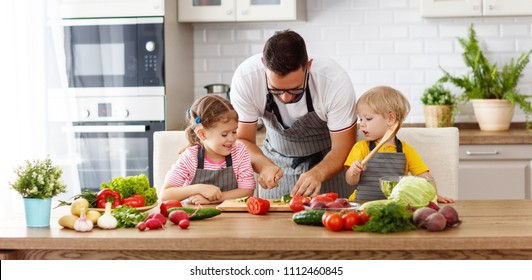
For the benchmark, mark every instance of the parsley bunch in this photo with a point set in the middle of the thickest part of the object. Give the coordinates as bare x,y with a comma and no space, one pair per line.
388,217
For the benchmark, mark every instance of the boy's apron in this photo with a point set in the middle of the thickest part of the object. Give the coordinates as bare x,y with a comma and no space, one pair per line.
224,178
298,148
382,164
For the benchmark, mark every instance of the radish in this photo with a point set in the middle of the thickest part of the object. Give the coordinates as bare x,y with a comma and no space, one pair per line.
421,214
184,224
177,216
434,222
153,223
157,216
141,226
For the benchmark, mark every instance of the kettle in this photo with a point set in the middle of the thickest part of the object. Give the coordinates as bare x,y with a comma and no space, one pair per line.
218,89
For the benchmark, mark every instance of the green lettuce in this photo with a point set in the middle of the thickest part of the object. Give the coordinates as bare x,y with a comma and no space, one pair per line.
413,191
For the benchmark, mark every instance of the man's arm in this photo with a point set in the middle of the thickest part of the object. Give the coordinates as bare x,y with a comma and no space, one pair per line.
309,183
269,173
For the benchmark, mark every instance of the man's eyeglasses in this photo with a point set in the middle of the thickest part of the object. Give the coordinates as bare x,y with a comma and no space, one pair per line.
293,91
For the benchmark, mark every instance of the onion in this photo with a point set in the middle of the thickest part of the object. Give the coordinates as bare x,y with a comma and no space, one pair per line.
451,216
421,214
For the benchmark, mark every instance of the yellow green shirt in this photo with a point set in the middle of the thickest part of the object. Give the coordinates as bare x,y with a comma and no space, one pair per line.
414,163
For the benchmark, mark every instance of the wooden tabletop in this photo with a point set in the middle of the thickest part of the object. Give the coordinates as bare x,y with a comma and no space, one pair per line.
490,230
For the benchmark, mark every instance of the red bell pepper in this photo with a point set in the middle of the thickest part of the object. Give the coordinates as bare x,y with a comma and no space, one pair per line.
257,206
169,204
136,200
108,195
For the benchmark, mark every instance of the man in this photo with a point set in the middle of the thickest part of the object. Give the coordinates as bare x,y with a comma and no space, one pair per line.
308,109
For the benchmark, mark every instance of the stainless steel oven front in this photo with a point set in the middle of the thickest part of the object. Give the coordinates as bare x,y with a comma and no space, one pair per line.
111,149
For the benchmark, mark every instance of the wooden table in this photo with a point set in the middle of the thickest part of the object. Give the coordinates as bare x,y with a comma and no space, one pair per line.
490,230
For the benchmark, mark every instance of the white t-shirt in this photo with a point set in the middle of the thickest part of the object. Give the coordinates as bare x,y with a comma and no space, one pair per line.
332,92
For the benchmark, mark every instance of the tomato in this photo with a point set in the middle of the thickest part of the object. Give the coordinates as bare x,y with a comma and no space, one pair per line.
350,219
297,203
332,195
334,222
321,198
324,217
363,217
257,206
167,205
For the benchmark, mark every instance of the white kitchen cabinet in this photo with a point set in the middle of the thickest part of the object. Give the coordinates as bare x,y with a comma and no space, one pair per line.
241,10
495,172
465,8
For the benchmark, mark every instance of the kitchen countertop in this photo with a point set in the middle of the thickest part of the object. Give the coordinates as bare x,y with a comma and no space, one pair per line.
470,134
499,229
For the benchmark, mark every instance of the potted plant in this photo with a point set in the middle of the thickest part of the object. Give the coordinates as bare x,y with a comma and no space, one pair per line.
439,106
487,85
38,181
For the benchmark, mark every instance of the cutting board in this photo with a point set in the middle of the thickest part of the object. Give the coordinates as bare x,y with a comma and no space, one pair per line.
231,205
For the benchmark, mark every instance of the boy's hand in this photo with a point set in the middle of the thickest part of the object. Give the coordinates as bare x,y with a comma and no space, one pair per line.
356,168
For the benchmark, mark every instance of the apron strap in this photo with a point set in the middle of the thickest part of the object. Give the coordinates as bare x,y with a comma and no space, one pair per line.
272,107
398,144
201,159
313,160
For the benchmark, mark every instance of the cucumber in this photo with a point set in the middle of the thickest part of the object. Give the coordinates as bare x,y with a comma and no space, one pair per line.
308,217
203,213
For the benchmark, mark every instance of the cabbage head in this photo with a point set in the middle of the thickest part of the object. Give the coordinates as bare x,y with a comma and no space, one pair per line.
413,192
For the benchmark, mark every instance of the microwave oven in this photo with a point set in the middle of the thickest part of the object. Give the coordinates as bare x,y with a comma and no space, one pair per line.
114,52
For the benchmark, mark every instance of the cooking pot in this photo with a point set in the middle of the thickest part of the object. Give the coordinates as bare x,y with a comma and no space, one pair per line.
218,89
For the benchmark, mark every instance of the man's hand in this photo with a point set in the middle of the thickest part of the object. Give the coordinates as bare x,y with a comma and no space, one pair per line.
269,176
309,184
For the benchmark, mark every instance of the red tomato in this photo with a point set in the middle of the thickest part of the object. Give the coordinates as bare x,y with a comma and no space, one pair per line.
257,206
363,217
324,217
297,203
321,198
334,222
167,205
350,219
332,195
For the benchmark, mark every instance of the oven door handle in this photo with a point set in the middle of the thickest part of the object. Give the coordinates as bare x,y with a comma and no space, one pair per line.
107,128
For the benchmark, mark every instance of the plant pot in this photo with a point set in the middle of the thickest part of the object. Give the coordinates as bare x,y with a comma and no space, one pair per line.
37,211
493,114
438,115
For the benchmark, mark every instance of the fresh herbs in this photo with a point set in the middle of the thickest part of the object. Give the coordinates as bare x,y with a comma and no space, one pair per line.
128,217
131,185
387,217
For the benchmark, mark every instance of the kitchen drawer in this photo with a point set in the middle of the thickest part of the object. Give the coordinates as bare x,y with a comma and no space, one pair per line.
495,152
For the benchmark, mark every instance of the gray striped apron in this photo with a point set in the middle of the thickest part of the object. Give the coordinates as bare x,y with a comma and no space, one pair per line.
382,164
224,178
298,148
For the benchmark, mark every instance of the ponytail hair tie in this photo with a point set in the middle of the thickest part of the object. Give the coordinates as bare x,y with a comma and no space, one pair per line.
188,112
198,120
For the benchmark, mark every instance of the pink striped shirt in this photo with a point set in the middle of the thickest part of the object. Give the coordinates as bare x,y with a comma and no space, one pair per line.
183,171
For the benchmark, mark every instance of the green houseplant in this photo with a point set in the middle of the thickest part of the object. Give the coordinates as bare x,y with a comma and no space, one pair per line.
486,81
439,106
38,181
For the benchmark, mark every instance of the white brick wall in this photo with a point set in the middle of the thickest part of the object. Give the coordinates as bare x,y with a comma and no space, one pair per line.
377,42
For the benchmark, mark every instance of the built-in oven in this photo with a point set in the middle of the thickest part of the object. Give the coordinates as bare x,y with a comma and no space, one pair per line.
111,100
111,149
114,52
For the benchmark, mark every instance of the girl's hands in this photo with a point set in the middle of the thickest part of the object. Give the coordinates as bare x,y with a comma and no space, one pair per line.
210,192
443,199
198,199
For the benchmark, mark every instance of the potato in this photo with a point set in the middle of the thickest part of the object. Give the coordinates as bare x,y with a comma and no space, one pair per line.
68,221
76,206
93,215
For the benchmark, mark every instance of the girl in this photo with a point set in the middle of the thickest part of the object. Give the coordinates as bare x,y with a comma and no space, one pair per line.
214,167
378,109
